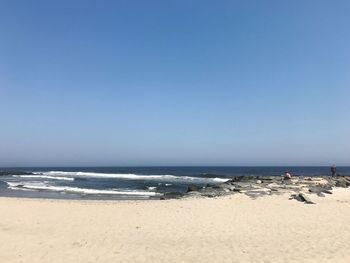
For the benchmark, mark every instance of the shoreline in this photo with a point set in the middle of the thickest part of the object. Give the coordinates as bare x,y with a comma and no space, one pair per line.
299,187
188,197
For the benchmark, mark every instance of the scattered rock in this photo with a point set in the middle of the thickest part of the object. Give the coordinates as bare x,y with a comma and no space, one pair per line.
305,198
321,194
342,182
228,187
171,195
319,189
192,188
296,197
256,186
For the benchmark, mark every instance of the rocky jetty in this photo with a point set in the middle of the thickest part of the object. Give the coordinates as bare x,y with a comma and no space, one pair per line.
300,188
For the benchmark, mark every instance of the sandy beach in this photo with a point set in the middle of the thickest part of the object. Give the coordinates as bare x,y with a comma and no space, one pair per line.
226,229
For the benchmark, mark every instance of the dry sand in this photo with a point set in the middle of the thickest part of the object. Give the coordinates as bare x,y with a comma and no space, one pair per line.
226,229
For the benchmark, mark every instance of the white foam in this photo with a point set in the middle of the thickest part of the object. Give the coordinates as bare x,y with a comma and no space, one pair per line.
43,186
46,177
216,179
136,176
16,186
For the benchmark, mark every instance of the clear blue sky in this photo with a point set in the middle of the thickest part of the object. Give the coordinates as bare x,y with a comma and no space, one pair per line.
174,83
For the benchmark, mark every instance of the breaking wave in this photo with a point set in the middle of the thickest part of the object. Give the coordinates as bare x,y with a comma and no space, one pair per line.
61,174
77,190
46,177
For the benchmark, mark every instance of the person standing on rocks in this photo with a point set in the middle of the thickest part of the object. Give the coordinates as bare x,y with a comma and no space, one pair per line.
287,175
334,170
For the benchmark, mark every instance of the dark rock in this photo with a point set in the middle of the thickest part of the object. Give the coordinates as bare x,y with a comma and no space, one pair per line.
296,197
315,189
321,194
211,195
270,178
327,187
305,199
212,191
231,181
228,187
320,189
232,188
342,182
192,188
265,185
171,195
244,178
194,194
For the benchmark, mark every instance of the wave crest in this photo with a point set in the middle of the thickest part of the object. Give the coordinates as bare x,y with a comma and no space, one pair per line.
46,177
76,190
136,177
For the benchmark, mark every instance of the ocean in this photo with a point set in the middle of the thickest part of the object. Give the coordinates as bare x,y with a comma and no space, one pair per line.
130,183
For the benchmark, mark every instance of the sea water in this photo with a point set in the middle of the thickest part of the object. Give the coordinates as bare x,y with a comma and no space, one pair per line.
131,182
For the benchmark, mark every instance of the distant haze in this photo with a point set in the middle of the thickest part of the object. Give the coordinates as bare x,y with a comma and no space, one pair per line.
118,83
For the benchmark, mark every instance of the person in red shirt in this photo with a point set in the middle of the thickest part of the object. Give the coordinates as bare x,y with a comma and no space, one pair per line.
287,176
